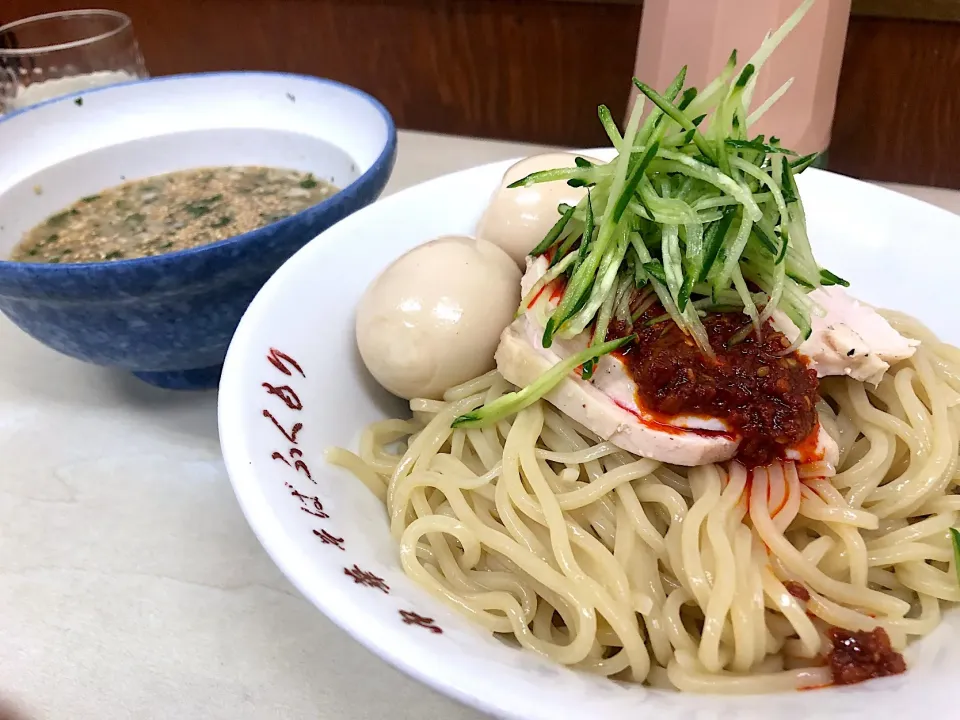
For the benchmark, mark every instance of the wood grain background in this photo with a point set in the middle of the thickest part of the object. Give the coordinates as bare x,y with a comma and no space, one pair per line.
537,69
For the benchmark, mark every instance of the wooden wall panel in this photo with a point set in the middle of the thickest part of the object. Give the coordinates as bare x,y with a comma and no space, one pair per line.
898,109
511,69
536,69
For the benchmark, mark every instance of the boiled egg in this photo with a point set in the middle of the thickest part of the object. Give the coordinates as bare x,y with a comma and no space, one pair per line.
433,318
517,219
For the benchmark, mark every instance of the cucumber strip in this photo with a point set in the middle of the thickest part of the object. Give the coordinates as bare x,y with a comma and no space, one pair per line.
702,171
800,257
631,185
640,211
569,237
678,139
776,292
741,335
573,227
553,234
581,284
621,306
714,239
740,121
788,187
621,166
601,326
828,278
678,214
603,285
588,228
801,164
671,111
655,270
653,127
692,326
769,103
598,194
642,255
732,260
514,402
672,261
749,307
758,146
609,126
587,175
640,278
644,305
683,297
575,293
663,295
676,85
800,270
693,237
666,210
772,42
784,247
748,72
688,97
768,242
719,201
716,89
548,277
764,179
794,302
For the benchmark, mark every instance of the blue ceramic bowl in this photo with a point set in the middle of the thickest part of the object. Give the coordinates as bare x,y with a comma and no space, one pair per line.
169,318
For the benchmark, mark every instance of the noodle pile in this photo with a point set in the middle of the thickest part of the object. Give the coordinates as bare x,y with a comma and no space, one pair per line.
681,577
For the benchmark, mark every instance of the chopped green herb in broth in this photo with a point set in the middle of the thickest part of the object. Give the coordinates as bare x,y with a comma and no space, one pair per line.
170,212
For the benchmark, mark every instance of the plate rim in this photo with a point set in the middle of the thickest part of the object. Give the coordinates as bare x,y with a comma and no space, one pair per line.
281,544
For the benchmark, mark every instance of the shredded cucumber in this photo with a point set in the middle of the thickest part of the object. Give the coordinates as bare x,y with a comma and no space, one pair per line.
693,213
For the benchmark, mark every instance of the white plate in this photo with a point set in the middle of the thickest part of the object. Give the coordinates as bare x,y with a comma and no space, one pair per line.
896,251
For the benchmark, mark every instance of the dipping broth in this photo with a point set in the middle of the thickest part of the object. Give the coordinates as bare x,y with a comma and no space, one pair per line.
166,213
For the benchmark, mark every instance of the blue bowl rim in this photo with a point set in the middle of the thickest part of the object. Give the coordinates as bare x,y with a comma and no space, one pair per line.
382,162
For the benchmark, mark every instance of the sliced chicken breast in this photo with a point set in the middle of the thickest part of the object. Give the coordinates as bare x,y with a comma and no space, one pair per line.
850,338
521,364
608,404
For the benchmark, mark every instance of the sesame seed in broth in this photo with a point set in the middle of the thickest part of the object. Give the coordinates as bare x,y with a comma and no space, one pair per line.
171,212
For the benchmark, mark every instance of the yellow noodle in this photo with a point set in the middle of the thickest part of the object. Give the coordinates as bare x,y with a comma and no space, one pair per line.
677,577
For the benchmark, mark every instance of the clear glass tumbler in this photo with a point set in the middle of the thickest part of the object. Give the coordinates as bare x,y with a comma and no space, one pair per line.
50,55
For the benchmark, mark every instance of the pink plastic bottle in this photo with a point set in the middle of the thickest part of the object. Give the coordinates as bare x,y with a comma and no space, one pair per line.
701,34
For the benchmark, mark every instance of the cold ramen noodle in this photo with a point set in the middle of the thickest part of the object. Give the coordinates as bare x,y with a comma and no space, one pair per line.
171,212
672,449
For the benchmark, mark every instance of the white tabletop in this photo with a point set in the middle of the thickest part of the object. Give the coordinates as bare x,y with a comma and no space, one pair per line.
131,585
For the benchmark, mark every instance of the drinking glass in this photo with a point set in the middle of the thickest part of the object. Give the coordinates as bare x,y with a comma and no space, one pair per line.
49,55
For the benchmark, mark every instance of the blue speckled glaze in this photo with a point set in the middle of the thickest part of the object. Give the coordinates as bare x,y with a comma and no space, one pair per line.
169,318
